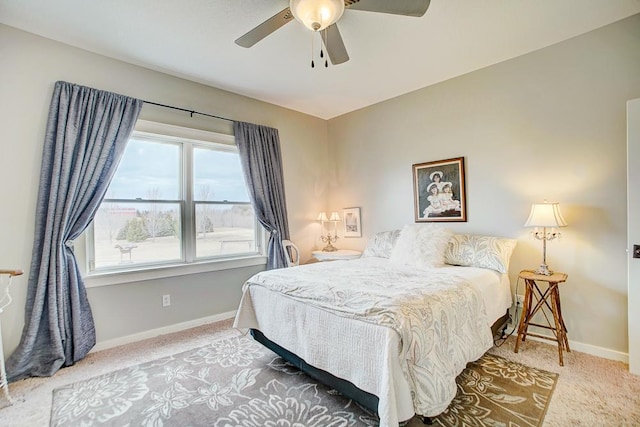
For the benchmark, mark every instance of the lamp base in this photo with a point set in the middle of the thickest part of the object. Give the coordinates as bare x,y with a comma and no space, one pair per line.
544,270
329,248
329,239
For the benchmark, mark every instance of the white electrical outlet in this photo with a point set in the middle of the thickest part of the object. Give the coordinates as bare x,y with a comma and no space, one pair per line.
520,300
166,300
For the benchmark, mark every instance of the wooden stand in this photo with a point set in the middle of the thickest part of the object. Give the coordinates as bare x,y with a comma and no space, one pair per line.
535,300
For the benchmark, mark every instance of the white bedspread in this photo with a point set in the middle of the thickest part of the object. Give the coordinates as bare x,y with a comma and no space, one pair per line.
394,331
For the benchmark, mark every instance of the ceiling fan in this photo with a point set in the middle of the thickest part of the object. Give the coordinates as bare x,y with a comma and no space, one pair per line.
321,16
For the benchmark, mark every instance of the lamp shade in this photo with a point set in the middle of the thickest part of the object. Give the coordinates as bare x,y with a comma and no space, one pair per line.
545,215
334,216
322,216
317,15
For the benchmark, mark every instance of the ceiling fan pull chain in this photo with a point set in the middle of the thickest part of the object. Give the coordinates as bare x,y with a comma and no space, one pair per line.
313,65
321,32
326,62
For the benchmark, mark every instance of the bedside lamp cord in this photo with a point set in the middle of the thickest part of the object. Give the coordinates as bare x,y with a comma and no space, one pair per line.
499,341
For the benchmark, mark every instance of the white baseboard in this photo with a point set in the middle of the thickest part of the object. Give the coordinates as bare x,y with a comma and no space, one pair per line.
128,339
103,345
593,350
600,351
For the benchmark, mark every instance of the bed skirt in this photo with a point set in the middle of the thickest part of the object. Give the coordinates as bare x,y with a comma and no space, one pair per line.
346,388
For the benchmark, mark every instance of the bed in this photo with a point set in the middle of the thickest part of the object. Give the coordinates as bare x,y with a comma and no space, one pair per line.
390,330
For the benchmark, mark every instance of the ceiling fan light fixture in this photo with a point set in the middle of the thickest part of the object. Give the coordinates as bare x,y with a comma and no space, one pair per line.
317,15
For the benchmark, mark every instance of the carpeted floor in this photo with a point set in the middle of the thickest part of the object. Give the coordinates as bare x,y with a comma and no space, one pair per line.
590,391
235,381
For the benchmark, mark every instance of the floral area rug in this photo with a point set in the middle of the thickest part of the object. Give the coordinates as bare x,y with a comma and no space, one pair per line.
494,391
238,382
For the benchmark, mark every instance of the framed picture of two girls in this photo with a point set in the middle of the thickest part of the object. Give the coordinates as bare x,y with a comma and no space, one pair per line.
439,191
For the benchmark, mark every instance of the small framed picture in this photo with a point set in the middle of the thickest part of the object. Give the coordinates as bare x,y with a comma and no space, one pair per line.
439,191
351,221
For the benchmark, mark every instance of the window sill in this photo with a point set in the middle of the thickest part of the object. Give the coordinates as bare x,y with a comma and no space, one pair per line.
150,273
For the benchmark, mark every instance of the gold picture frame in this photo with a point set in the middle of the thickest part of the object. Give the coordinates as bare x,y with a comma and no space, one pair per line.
439,191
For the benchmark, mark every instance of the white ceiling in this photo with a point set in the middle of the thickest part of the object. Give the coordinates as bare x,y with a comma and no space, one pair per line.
390,55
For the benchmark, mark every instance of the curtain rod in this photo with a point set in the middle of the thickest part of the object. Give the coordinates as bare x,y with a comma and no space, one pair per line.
192,112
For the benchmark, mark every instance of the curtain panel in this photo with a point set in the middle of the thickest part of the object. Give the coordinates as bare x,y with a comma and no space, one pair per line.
87,132
259,148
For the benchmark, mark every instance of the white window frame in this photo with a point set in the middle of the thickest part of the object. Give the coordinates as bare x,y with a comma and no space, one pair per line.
190,138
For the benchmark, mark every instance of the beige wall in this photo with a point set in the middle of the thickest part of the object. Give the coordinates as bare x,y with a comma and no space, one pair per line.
547,125
30,67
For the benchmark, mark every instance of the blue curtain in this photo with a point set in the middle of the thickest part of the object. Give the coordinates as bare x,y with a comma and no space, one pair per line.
87,131
259,148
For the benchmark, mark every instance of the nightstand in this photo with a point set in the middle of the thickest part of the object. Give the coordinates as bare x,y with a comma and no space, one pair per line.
340,254
536,300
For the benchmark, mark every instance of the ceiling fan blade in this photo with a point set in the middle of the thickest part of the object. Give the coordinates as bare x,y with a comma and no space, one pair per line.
335,46
266,28
396,7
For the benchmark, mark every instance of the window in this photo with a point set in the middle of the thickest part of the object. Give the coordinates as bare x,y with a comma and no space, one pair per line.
174,201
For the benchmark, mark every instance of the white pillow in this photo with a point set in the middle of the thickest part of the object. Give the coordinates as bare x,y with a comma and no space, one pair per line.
381,244
421,245
480,251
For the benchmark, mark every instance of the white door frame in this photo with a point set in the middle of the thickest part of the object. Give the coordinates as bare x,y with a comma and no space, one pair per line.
633,232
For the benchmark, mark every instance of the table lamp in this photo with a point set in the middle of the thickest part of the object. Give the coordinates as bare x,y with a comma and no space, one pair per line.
329,239
545,215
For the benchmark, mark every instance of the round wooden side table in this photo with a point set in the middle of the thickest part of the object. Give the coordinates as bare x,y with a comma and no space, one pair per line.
336,255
